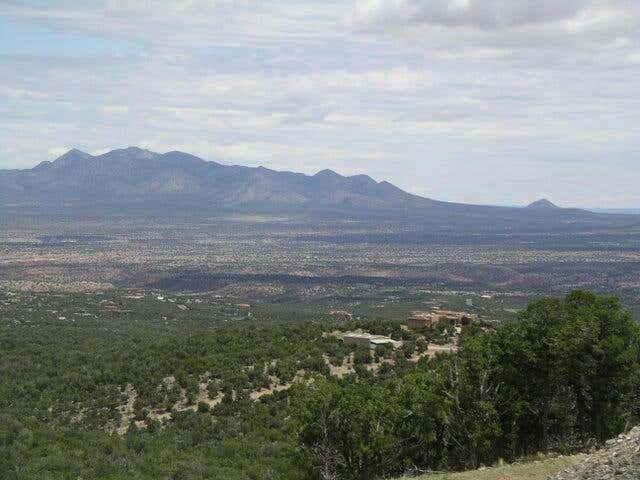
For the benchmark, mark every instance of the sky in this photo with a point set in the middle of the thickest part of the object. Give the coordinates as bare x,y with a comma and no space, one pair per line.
478,101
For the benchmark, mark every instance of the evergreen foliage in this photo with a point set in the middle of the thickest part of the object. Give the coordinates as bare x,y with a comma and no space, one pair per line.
566,373
562,375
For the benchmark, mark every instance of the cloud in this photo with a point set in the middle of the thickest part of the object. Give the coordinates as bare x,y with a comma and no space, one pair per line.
167,26
393,79
21,93
115,109
499,26
483,14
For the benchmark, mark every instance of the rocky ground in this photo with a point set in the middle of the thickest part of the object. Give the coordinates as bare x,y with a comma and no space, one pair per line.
619,459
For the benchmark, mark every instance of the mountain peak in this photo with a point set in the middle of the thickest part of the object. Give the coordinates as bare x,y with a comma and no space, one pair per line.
75,151
71,156
363,179
327,173
131,151
186,158
543,204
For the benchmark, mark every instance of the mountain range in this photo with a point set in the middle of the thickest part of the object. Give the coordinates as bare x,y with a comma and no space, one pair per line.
133,180
133,174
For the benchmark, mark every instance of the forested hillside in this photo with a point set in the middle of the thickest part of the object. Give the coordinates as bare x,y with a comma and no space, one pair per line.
287,399
565,373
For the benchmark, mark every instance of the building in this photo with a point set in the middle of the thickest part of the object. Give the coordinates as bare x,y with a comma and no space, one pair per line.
431,319
456,318
421,319
374,342
368,340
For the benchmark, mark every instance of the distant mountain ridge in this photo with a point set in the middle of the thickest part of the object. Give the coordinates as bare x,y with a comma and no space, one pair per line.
137,174
133,180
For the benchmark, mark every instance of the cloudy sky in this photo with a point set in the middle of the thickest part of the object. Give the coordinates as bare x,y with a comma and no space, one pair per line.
483,101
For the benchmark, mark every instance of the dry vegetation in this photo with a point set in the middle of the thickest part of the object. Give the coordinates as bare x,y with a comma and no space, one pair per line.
532,470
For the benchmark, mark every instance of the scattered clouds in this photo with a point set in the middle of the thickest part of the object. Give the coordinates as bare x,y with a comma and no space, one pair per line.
529,29
446,98
115,109
482,14
21,93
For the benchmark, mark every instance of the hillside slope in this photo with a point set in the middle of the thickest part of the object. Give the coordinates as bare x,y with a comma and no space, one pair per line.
535,470
619,459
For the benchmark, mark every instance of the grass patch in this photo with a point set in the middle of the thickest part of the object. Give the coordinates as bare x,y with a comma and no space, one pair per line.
535,470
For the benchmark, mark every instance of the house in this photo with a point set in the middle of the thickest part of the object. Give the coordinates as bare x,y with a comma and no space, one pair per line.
431,319
456,318
368,340
421,319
